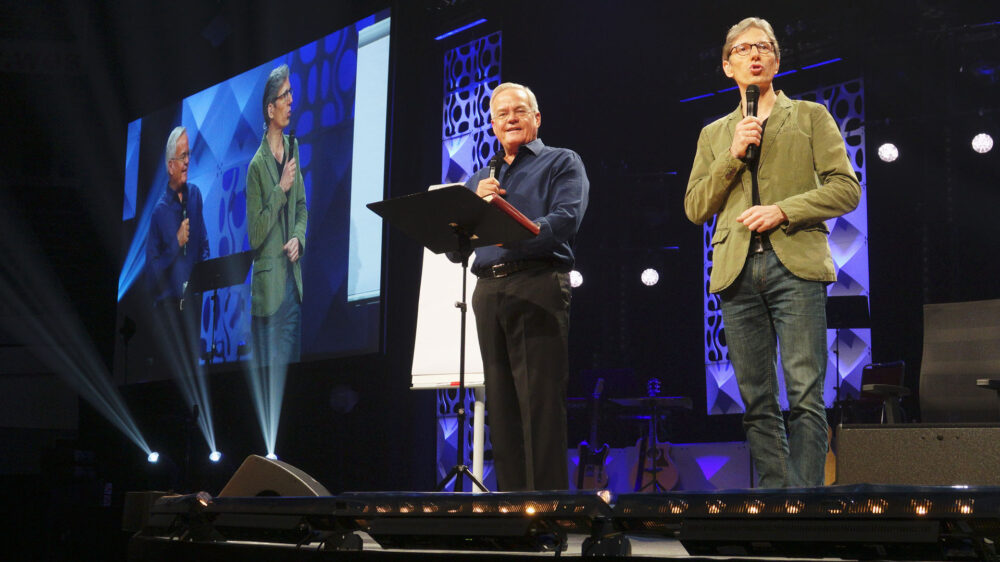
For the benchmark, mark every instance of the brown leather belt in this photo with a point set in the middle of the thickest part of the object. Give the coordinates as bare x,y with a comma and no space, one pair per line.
499,270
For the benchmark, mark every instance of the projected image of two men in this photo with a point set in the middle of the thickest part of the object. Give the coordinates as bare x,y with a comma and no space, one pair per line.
244,224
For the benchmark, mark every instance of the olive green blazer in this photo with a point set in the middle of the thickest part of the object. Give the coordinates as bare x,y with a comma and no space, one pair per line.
267,204
804,169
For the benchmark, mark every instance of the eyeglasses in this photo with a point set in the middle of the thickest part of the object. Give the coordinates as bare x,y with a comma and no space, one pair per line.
186,155
522,112
743,49
286,94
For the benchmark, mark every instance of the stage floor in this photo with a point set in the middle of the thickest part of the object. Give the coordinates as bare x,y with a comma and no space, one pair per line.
153,550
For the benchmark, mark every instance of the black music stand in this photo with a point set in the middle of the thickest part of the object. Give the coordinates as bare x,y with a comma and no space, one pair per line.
214,274
453,219
844,313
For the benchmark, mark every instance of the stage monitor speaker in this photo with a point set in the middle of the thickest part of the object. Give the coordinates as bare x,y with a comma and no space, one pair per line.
259,476
919,454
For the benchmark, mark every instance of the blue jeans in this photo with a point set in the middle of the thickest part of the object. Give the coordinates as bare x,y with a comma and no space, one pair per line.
278,338
767,303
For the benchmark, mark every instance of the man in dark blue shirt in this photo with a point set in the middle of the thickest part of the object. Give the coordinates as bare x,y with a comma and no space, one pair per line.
522,297
177,240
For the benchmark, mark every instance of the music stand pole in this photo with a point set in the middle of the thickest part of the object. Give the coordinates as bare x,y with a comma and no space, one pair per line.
460,468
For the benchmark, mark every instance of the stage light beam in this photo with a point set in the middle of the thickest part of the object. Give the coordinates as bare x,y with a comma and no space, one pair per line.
45,322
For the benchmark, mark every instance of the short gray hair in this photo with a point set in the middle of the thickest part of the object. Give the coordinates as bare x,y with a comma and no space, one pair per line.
532,100
175,136
274,81
745,24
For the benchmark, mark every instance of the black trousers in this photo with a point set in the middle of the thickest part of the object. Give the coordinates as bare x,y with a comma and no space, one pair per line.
523,325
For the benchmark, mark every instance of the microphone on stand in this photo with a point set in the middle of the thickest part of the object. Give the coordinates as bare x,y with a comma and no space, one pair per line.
753,94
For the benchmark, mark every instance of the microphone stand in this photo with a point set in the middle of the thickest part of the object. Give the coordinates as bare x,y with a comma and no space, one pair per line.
460,468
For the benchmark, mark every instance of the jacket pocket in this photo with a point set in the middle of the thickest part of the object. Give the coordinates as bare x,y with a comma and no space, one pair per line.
261,265
720,236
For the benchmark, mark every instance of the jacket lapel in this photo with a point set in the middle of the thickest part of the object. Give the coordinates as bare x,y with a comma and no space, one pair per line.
775,121
734,118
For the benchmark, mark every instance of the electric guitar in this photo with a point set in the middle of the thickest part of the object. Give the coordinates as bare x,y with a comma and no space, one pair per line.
654,470
590,473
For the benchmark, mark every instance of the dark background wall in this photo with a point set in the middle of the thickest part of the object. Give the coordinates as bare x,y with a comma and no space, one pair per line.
609,77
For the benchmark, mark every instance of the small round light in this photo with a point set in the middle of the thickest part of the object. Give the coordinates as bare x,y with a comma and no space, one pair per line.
575,278
216,456
605,495
888,152
530,510
650,277
272,456
982,143
153,457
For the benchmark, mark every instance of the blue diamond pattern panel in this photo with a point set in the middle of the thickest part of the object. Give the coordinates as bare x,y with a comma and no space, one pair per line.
471,71
849,248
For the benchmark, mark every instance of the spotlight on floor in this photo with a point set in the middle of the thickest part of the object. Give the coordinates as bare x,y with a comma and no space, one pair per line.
153,457
650,277
216,456
982,143
575,278
888,152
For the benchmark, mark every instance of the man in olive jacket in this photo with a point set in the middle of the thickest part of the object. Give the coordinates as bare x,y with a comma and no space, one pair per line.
276,219
770,256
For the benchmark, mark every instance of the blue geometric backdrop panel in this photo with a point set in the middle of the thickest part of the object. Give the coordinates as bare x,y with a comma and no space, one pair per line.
131,168
471,71
849,248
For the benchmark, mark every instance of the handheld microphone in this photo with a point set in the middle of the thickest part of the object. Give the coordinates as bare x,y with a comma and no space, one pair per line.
495,163
184,216
753,94
291,146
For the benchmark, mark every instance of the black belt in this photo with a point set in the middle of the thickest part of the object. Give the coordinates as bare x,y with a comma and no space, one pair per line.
499,270
759,244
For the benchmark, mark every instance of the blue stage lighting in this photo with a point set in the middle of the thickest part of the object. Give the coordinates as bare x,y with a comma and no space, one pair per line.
216,456
272,456
697,97
460,29
135,260
153,457
821,63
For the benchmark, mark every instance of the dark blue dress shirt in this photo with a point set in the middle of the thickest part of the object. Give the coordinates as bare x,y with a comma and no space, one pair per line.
168,265
550,187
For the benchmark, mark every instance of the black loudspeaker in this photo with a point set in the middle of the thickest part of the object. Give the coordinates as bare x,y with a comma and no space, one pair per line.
919,454
259,476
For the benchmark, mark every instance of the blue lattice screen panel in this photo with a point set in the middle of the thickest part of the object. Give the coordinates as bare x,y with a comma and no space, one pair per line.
471,71
849,248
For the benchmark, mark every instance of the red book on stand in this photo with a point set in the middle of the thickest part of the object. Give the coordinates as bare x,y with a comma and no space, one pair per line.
503,205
